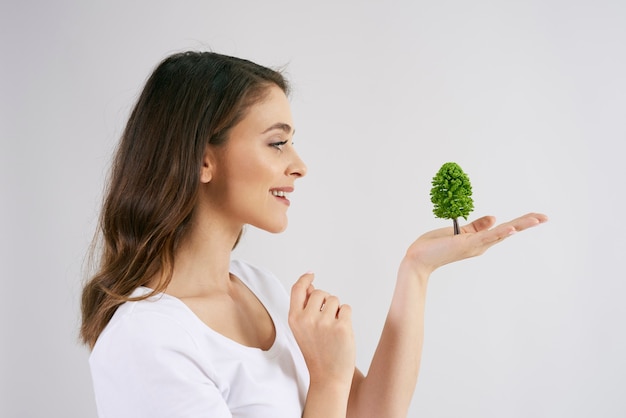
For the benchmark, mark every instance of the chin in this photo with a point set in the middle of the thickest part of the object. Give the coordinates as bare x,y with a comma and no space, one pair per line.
275,228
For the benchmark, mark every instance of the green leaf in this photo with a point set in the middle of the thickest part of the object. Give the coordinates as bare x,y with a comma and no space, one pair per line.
451,193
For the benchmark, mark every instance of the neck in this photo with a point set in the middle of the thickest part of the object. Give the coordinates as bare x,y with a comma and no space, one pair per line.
202,260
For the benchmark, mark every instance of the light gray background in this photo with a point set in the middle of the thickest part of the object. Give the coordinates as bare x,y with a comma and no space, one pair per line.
529,97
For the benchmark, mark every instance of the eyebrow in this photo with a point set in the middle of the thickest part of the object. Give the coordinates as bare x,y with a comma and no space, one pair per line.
280,125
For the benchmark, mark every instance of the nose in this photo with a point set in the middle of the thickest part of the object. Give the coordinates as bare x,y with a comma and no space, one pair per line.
297,167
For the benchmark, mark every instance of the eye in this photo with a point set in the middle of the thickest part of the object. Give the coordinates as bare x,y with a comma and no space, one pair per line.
278,145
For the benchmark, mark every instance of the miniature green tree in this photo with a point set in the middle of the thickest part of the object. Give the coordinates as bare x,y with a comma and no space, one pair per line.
451,194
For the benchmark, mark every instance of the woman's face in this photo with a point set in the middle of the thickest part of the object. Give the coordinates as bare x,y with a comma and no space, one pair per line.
254,172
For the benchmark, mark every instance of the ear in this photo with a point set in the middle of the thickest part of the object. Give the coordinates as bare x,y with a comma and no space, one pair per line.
208,165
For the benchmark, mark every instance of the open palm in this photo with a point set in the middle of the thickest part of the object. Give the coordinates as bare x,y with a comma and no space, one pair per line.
440,247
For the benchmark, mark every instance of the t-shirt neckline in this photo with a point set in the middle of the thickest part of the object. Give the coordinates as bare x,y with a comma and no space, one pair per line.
272,351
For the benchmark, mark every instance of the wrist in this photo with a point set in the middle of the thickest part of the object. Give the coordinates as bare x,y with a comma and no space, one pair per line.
333,384
415,269
327,399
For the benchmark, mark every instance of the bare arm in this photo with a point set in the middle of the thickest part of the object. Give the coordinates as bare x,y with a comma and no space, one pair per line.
389,385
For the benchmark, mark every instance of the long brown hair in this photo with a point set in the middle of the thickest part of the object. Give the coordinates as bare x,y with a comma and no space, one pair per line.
192,99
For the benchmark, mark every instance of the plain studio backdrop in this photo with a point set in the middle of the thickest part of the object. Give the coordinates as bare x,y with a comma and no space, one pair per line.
529,97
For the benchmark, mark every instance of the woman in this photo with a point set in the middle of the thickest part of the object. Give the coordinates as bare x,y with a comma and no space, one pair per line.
177,328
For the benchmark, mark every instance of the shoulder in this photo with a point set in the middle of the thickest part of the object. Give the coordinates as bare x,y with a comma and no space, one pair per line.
148,362
150,339
159,321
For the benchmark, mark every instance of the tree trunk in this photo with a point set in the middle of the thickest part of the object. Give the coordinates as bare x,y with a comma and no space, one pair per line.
457,230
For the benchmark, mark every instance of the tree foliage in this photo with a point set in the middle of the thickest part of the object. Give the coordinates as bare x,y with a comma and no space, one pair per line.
451,193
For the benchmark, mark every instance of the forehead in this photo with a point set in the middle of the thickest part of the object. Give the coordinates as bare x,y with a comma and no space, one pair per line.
272,111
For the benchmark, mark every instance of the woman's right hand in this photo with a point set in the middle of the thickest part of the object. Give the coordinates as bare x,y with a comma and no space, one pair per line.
323,329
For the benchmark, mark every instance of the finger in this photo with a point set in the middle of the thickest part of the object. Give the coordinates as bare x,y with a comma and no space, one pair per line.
507,229
344,313
516,225
309,290
495,235
479,224
331,306
528,221
300,291
316,301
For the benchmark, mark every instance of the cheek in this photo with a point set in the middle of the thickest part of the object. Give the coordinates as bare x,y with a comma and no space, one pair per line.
256,171
247,173
250,180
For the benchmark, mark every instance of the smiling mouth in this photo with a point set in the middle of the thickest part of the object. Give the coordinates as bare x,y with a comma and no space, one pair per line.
280,193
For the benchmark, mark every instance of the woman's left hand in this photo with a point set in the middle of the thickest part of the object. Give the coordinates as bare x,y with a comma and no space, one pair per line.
440,247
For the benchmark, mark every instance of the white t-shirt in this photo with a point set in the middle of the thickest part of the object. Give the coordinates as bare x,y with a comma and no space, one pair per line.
156,359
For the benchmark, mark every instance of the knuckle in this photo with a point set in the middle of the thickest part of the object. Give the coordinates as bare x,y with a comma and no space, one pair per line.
332,299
